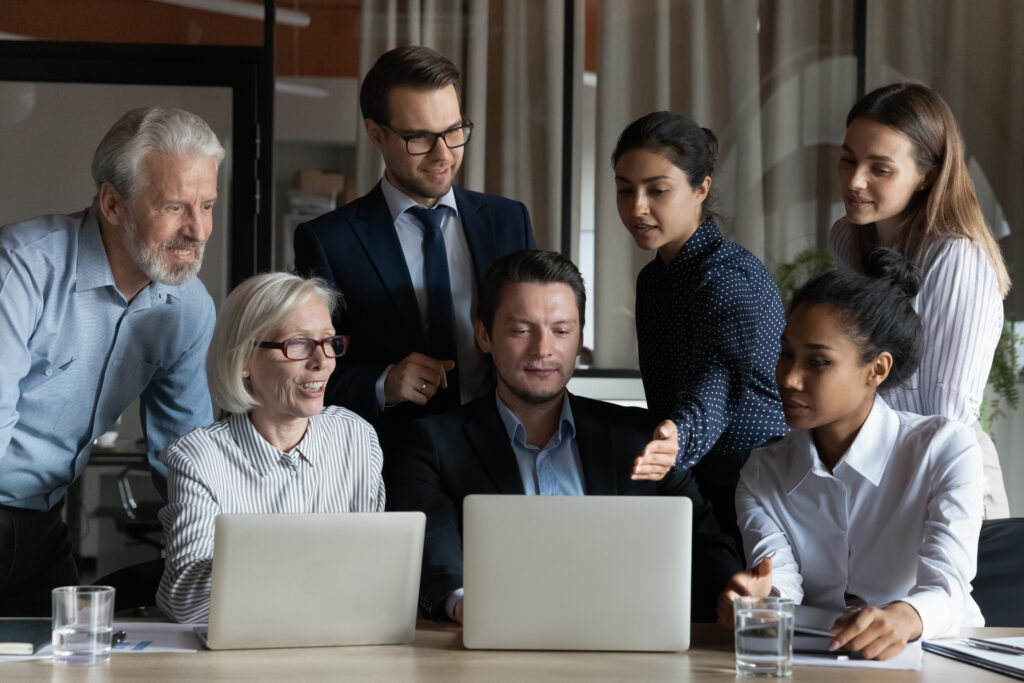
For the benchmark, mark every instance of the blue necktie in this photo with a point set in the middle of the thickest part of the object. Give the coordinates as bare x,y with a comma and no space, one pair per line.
440,310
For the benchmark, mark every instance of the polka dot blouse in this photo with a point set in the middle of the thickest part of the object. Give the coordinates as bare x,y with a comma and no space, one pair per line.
708,327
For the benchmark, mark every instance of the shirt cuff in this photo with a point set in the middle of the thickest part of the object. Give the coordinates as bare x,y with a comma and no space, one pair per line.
379,387
453,599
934,609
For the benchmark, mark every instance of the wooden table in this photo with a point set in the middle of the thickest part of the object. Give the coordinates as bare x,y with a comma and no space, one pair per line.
437,655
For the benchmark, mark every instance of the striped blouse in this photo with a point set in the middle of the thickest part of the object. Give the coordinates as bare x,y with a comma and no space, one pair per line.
961,311
228,467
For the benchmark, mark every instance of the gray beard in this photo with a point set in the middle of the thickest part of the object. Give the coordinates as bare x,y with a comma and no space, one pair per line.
150,260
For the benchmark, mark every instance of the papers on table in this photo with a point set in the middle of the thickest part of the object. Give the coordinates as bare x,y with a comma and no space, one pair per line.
908,660
140,636
1008,665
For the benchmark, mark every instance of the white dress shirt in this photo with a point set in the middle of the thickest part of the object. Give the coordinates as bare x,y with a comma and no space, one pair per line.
897,519
470,362
228,467
961,311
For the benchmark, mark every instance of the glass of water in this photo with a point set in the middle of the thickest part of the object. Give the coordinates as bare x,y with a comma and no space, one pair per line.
764,636
83,620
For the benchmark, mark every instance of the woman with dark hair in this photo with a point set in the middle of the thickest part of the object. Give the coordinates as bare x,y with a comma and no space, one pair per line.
861,506
905,185
708,315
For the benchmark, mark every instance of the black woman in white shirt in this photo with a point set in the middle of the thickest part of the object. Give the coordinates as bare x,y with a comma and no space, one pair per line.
861,507
279,449
905,185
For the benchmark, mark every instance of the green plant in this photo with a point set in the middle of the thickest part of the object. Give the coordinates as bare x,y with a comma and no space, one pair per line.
808,264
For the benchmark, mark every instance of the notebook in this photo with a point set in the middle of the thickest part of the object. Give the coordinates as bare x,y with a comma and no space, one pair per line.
23,636
577,573
302,580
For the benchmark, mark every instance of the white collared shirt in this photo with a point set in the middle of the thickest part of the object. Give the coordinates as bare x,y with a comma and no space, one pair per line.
897,519
471,363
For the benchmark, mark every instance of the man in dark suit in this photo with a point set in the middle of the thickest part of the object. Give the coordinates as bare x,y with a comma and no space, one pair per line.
531,436
408,255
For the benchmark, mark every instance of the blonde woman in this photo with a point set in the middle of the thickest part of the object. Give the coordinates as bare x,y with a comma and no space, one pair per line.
905,185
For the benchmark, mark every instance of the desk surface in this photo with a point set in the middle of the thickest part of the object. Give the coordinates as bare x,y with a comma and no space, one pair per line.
437,655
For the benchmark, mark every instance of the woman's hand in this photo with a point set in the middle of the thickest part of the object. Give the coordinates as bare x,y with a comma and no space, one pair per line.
659,455
877,633
755,581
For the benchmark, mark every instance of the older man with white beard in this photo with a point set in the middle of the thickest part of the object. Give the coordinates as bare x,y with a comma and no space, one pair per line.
97,309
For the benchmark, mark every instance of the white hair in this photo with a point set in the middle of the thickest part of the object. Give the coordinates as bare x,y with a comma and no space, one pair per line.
253,310
118,158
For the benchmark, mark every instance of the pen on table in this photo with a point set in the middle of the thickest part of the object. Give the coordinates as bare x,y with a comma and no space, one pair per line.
1004,648
118,638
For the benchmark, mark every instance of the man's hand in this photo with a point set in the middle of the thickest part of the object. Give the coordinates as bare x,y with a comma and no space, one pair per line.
415,378
659,455
877,633
755,581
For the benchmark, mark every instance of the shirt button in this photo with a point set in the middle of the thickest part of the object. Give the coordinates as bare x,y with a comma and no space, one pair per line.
49,371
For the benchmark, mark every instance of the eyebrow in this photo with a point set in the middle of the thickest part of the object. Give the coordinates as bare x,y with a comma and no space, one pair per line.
876,157
424,131
643,180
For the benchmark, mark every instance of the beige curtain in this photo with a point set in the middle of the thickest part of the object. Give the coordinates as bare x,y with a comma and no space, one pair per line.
511,55
765,77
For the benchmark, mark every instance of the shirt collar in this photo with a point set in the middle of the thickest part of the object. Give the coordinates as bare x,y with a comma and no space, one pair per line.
868,455
398,202
93,269
693,252
517,432
261,455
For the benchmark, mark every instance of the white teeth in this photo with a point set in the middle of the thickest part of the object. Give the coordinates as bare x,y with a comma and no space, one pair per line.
313,386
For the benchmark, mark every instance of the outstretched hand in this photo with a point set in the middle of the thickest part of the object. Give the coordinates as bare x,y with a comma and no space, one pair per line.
659,455
755,581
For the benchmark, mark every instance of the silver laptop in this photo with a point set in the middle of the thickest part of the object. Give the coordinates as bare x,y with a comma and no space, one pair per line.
298,580
577,573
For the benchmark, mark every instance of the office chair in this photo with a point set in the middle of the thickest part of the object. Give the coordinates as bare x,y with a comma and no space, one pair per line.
998,587
135,588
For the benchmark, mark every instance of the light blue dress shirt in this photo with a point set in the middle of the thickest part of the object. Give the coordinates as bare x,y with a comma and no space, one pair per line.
555,469
76,353
473,366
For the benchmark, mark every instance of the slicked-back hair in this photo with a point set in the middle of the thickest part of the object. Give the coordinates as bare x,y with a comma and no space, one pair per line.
679,139
252,311
414,66
176,132
529,265
874,309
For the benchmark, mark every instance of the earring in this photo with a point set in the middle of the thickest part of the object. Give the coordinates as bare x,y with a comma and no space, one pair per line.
245,373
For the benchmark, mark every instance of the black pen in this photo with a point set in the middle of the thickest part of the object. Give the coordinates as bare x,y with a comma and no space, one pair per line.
1004,648
118,638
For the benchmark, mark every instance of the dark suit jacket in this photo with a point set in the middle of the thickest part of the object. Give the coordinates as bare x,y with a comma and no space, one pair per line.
356,249
448,456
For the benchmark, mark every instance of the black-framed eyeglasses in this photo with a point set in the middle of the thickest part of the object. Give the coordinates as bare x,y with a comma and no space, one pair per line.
418,144
301,348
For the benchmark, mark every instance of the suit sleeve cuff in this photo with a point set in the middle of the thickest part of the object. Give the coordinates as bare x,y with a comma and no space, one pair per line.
379,387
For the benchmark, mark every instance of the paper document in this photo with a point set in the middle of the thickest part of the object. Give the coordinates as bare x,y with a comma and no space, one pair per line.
908,660
140,637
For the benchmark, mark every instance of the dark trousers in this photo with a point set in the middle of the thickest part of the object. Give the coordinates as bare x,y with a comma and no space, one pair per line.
35,557
717,476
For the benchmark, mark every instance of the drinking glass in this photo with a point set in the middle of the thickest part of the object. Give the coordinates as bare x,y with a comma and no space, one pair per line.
82,624
764,636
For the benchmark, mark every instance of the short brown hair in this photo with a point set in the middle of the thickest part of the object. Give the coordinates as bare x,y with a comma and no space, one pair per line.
529,265
413,66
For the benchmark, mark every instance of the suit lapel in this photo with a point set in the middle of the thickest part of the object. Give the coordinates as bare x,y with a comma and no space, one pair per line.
374,228
477,225
597,450
488,438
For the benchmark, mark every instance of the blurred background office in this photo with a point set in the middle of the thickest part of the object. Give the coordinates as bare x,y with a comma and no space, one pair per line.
549,84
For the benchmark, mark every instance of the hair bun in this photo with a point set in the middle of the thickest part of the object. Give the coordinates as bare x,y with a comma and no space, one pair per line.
889,265
712,142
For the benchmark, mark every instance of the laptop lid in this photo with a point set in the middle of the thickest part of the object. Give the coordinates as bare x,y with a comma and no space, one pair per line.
296,580
577,573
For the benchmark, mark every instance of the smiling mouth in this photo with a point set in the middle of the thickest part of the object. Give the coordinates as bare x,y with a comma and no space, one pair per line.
313,387
857,201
